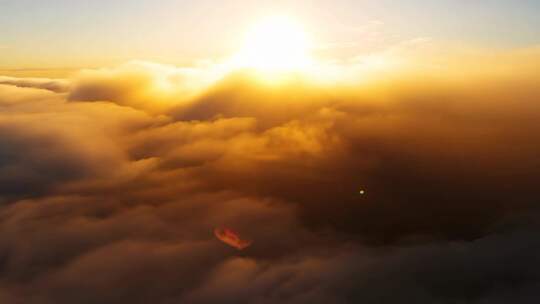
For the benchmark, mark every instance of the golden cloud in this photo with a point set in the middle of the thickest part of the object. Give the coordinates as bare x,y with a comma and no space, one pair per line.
112,182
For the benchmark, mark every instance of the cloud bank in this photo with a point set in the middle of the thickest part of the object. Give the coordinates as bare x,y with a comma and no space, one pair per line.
111,185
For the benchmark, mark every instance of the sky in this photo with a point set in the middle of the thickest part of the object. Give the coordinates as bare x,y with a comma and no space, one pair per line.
74,34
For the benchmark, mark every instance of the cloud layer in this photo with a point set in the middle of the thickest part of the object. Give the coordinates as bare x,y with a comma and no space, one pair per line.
111,185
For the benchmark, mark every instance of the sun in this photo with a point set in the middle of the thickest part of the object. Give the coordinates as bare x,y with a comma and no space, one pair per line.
275,44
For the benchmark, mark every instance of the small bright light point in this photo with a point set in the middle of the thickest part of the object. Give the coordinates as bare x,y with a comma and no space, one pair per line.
275,44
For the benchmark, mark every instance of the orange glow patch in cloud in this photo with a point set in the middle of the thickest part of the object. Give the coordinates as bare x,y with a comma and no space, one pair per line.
231,238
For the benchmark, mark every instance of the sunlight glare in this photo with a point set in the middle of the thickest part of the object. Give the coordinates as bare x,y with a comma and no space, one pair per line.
275,44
